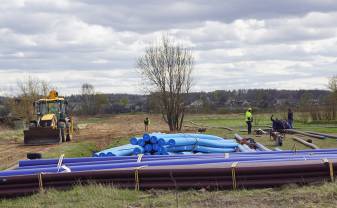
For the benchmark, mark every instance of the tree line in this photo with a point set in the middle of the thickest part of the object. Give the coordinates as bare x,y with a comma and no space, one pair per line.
90,102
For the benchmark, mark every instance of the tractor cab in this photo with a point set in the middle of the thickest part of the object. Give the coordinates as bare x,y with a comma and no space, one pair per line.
46,107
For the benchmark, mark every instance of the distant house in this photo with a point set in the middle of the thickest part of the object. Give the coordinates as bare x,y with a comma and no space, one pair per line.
281,101
196,104
237,103
245,103
314,101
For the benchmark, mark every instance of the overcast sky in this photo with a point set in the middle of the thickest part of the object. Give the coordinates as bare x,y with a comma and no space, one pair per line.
283,44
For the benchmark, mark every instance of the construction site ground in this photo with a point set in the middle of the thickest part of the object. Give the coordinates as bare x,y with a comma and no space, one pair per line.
100,132
92,134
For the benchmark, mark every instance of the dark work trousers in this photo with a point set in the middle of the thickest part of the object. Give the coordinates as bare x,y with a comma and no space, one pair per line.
249,125
290,121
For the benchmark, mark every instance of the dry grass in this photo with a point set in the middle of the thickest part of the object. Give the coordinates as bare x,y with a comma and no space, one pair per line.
324,195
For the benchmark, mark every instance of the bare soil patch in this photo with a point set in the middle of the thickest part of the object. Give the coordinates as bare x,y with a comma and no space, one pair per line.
101,133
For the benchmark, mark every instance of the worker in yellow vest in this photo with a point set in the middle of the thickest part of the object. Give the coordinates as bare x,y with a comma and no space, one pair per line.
249,120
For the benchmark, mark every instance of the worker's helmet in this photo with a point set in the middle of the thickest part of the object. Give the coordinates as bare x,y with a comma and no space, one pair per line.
249,109
53,94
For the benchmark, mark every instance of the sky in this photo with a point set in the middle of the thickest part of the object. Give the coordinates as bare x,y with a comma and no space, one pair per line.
288,44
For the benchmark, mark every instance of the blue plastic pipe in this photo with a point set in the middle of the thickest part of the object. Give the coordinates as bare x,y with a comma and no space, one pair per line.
237,154
75,168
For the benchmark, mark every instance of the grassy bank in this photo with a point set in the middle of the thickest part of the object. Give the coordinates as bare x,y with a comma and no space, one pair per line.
94,195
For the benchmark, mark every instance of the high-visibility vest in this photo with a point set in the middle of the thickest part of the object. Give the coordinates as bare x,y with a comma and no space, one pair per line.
249,116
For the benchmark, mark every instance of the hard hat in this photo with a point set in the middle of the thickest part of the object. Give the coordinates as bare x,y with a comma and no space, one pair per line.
250,109
53,94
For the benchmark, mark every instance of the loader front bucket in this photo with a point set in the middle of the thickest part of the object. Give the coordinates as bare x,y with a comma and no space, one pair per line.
42,135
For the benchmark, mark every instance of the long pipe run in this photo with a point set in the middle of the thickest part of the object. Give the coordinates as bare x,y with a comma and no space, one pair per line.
322,134
304,133
313,146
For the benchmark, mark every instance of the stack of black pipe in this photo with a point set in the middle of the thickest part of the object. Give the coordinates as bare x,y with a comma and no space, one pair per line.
211,176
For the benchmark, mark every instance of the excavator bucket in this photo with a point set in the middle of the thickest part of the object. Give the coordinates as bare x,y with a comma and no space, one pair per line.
42,135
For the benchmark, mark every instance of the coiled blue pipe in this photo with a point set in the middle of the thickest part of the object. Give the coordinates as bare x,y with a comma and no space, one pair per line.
200,136
209,143
138,150
198,148
134,140
123,150
141,142
153,140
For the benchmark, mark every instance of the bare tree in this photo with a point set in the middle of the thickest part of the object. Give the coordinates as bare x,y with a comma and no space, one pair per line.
91,100
88,98
333,87
29,90
333,84
167,68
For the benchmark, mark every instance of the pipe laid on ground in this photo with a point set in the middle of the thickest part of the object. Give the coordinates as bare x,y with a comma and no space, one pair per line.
238,137
248,148
311,145
238,157
242,148
190,161
262,147
322,134
23,163
304,133
215,127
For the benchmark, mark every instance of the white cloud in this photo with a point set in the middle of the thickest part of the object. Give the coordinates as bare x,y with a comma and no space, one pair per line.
236,44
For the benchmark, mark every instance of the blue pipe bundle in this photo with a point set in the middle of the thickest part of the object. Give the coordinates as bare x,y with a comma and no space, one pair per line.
123,150
164,144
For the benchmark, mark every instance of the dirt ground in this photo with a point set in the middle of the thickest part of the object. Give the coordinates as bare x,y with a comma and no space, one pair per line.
119,126
101,132
11,152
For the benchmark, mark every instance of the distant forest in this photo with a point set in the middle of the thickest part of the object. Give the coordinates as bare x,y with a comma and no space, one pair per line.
220,101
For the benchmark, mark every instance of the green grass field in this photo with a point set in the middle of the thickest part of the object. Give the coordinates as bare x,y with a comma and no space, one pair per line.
95,195
236,122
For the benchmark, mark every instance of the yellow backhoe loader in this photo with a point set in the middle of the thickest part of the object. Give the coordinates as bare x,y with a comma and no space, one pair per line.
53,125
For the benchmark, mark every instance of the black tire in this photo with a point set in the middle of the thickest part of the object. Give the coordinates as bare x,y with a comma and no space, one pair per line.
33,156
